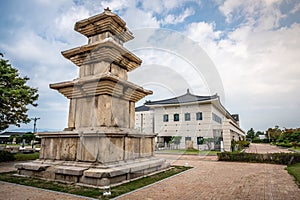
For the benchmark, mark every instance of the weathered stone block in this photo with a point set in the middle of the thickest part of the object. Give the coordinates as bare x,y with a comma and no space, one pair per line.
101,67
69,170
49,149
32,166
132,148
105,173
146,147
111,149
131,114
120,112
68,148
104,111
87,149
67,178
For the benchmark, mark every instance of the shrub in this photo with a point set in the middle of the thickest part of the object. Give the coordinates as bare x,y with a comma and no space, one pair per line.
282,144
241,144
256,140
274,158
6,156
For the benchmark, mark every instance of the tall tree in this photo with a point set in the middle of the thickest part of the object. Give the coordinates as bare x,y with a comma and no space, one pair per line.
274,133
15,95
251,133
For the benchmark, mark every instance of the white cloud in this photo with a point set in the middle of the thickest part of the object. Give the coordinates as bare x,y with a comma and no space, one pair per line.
136,18
202,32
161,6
259,68
175,19
63,25
257,58
296,8
265,14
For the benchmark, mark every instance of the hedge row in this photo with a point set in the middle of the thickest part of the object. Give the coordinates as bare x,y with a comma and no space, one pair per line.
6,156
274,158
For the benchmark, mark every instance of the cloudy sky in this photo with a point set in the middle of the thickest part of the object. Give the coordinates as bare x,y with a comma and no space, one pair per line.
246,51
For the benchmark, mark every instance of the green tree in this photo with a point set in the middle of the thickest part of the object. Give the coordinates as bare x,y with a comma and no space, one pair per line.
15,95
251,133
258,133
208,142
274,133
28,137
18,138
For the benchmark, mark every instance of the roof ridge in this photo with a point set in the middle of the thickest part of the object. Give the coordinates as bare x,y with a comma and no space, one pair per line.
187,97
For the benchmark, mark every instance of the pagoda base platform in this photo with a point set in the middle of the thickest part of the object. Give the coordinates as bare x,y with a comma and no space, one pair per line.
93,174
100,157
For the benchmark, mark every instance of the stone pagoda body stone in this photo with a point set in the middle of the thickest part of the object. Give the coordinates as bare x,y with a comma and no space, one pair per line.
100,145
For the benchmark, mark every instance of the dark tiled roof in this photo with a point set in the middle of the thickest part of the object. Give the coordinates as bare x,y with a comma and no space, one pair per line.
142,108
186,98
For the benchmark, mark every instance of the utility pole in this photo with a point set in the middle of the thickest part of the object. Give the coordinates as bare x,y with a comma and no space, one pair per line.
34,124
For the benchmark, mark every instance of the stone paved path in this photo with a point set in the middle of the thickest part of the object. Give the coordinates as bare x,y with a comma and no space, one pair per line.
10,191
222,180
265,148
208,179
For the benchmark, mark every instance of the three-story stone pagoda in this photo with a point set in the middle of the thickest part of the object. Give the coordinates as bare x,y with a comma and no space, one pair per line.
99,146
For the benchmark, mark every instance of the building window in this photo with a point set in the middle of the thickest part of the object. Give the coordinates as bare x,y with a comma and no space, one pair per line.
176,117
199,116
187,117
216,118
200,140
166,118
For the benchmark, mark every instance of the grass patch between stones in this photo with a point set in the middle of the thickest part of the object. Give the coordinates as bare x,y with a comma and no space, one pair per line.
89,191
7,156
27,156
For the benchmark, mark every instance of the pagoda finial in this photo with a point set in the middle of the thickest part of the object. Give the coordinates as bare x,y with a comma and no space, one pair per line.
188,91
107,9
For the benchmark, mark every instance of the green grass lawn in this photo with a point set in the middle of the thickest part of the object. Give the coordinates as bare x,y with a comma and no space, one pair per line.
89,191
188,152
295,171
24,157
295,149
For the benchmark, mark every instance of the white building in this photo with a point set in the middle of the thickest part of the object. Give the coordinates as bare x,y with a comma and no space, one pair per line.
191,118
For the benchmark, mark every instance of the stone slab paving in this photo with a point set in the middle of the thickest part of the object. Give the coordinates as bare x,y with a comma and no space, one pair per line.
222,180
8,166
209,179
9,191
265,148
